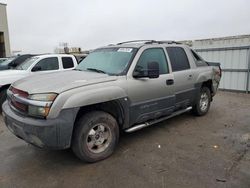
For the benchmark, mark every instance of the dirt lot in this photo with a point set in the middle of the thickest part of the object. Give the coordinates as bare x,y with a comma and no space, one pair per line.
186,151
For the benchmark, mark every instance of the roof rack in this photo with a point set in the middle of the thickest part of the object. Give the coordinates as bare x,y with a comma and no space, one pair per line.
134,41
150,42
167,42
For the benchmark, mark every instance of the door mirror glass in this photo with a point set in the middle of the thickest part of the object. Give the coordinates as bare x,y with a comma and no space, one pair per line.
152,71
139,72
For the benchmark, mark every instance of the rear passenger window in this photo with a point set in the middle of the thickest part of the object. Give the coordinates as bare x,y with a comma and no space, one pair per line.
153,55
178,58
67,62
198,61
195,55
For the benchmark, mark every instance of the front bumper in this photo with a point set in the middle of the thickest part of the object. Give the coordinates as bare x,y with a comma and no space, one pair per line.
44,133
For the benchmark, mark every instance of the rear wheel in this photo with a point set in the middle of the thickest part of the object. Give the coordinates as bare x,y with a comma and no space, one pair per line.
95,136
203,102
3,96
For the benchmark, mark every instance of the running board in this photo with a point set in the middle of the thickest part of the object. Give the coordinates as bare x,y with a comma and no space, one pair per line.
147,124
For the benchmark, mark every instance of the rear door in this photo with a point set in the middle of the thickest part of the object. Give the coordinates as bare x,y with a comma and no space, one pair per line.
184,87
151,98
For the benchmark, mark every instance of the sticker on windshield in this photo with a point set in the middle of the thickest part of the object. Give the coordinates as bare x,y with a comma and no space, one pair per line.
125,50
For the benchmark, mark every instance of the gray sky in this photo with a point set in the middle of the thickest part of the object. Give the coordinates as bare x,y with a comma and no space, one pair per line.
37,26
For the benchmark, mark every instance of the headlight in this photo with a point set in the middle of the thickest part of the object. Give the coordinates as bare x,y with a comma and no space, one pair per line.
43,97
38,111
41,108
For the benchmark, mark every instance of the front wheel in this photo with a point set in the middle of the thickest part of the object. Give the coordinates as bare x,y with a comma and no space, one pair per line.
203,102
95,136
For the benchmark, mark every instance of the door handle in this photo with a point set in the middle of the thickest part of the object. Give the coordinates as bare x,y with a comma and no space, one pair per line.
170,82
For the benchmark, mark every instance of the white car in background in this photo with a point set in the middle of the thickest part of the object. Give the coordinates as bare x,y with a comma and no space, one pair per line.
35,65
3,59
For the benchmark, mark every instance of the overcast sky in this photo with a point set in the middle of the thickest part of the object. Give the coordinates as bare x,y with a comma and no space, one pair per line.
37,26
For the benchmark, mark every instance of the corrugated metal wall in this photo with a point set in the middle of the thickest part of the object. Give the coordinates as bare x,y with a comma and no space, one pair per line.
234,55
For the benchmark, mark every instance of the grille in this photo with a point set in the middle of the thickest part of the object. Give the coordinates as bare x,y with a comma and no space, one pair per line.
17,105
19,92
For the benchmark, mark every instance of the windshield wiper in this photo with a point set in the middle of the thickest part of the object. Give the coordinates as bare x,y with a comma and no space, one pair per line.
96,70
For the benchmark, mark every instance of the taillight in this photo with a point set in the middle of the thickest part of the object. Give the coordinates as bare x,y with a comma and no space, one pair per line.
218,72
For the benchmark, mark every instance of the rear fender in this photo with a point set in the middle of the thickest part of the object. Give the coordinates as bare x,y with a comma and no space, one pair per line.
209,76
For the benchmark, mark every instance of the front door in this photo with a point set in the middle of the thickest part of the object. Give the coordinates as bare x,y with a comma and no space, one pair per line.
151,98
46,65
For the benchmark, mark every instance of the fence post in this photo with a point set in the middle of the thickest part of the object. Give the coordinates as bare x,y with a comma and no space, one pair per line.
248,72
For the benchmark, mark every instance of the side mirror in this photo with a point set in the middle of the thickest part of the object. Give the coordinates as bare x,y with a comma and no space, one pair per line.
36,68
153,70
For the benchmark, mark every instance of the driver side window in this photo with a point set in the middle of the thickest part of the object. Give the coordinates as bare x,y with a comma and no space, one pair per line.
153,55
47,64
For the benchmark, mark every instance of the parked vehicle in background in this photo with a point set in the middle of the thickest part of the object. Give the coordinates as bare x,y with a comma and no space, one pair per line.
35,65
127,86
80,57
2,60
20,59
15,61
5,64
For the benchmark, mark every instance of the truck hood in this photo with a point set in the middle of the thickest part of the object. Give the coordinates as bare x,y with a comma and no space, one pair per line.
60,81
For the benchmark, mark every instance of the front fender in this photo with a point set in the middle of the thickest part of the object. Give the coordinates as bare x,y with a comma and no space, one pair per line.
76,99
94,96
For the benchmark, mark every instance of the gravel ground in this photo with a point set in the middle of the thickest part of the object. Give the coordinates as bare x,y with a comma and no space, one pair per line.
185,151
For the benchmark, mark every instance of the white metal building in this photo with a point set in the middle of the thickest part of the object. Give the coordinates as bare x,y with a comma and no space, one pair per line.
234,55
4,32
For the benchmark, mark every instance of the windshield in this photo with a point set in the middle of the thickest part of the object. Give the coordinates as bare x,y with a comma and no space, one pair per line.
112,61
27,63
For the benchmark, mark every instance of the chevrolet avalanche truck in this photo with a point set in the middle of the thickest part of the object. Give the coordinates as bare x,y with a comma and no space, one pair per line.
127,86
35,65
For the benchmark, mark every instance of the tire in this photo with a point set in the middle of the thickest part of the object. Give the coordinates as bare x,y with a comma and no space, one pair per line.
203,101
3,96
95,137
